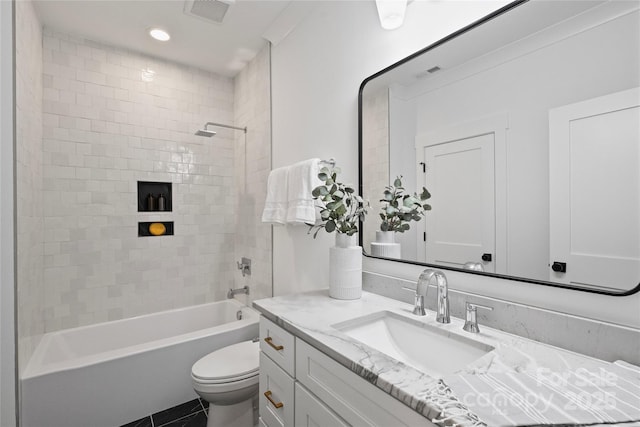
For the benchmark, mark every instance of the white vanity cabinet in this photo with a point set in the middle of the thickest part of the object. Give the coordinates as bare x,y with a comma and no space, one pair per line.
315,390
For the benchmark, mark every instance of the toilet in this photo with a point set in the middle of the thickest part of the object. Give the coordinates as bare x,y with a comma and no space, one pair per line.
228,380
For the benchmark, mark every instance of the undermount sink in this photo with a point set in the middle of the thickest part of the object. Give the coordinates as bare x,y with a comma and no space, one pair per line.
425,347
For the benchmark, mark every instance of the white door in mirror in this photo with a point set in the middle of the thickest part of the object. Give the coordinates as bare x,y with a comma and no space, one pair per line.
595,203
460,174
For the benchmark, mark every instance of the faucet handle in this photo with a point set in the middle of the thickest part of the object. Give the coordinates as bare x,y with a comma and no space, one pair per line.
471,318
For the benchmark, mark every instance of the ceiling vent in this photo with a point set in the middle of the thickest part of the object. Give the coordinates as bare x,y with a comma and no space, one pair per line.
210,10
427,73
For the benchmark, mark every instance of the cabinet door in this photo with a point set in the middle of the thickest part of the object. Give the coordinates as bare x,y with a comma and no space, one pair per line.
276,394
355,400
310,412
594,149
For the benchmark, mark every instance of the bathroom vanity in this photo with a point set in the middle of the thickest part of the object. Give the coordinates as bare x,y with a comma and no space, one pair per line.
301,386
328,362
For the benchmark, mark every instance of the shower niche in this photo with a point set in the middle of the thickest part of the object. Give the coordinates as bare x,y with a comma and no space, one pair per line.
154,196
154,229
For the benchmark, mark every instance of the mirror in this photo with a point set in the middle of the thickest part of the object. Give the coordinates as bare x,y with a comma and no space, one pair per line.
525,129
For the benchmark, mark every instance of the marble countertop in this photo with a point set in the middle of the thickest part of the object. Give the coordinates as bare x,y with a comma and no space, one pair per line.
310,316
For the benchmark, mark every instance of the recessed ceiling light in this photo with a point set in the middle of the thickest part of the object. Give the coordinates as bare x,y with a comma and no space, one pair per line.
159,34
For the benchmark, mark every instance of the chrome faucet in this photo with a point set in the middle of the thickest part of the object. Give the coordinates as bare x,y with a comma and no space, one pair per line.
232,292
442,297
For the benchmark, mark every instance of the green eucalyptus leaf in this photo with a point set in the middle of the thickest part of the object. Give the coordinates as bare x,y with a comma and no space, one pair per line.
425,194
330,226
426,207
397,182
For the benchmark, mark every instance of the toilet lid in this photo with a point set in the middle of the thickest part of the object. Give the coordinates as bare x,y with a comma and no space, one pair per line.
232,362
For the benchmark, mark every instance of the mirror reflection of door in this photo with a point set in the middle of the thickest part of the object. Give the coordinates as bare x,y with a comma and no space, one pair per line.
595,201
460,174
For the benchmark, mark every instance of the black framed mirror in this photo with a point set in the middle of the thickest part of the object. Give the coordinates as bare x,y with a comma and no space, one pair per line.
525,128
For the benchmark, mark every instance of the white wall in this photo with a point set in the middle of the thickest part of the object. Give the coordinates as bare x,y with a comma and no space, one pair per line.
316,72
7,287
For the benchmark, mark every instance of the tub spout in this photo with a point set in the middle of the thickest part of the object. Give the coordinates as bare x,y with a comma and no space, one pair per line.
233,292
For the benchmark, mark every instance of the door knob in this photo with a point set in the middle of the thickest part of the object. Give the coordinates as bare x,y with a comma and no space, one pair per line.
559,267
486,257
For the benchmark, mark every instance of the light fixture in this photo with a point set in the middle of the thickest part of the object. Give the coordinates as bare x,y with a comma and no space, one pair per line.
159,34
391,13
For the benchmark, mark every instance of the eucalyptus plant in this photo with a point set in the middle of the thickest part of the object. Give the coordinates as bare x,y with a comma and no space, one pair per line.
399,209
341,208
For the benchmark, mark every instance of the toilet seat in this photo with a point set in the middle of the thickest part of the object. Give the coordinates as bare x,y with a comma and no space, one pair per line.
230,364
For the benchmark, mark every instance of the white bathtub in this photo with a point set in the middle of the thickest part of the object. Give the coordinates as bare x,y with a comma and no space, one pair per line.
112,373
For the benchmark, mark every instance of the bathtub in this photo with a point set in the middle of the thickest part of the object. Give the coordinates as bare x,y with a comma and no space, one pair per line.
111,373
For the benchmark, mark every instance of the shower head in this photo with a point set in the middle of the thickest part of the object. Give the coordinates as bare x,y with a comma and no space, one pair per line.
209,133
205,132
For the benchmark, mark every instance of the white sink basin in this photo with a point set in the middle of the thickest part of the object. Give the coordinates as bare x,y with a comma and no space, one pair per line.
425,347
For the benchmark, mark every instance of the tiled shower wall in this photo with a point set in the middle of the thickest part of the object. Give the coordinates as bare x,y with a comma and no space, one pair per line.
253,163
30,292
105,128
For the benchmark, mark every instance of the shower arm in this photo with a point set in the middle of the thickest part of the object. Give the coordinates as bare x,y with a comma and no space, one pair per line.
244,129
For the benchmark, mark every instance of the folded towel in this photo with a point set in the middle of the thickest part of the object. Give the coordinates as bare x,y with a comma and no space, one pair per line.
275,207
303,178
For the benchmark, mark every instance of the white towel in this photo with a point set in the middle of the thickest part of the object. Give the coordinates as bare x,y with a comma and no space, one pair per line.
275,207
303,178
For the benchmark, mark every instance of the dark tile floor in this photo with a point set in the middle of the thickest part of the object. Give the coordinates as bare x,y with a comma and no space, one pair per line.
189,414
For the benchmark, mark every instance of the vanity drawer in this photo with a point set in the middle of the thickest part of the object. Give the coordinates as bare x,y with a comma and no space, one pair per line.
278,344
311,412
276,398
358,402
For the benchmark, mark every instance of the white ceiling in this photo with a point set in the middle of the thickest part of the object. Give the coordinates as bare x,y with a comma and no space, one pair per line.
222,48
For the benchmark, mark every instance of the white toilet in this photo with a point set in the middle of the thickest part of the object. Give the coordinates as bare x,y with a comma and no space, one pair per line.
228,380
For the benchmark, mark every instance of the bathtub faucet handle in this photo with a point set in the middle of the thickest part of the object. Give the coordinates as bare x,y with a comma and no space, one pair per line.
244,265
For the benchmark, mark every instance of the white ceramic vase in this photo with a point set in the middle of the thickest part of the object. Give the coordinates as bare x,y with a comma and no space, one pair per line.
345,268
385,245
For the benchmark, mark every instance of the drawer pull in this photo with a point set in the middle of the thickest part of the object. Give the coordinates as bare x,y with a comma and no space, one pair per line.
267,394
269,341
